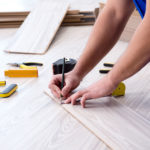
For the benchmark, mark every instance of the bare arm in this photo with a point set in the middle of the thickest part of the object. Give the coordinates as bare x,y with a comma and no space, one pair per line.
137,54
134,58
105,34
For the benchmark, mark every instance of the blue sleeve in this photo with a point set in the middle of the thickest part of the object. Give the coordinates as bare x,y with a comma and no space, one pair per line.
140,6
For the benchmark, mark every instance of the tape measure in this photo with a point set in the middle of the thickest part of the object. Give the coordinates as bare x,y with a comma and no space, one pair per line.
69,65
120,90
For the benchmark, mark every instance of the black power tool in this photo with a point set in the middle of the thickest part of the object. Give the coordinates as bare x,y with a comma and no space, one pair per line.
69,65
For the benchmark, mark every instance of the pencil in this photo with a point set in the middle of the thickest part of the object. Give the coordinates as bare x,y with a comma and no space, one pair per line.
63,71
63,77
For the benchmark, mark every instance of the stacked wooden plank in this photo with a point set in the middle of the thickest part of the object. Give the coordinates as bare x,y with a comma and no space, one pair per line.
13,15
14,18
131,25
77,17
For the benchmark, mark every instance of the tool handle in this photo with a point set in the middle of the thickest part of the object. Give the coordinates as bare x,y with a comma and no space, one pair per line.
27,67
32,63
2,83
104,70
108,64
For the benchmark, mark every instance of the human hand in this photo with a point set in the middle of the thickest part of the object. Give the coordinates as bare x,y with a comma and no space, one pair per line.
70,83
101,88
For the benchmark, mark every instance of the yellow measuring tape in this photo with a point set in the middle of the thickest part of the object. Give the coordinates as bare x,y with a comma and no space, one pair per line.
120,90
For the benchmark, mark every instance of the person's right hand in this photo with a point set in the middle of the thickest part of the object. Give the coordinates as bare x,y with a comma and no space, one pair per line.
70,83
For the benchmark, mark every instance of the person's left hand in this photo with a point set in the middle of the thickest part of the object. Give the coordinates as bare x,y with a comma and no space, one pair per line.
101,88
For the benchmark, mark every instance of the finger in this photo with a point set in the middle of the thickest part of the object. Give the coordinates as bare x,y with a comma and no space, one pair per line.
84,98
68,95
56,80
55,94
55,90
75,96
67,88
68,100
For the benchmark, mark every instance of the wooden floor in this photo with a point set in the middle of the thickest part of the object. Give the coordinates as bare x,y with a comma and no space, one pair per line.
30,120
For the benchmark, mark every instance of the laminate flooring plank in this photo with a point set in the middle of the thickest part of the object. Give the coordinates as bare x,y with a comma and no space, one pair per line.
78,24
11,23
137,93
10,26
12,19
29,120
38,30
39,124
115,124
76,44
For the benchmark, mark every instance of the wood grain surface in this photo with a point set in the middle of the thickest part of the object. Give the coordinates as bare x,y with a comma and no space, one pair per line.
115,124
22,113
38,30
31,120
40,124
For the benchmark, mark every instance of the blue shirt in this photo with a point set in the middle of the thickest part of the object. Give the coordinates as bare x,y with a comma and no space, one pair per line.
140,6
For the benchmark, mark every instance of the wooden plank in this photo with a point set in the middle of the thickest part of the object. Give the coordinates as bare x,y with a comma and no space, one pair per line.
78,16
18,24
11,23
76,44
137,93
38,30
38,123
115,124
71,20
12,18
10,26
68,18
79,20
24,13
78,24
72,12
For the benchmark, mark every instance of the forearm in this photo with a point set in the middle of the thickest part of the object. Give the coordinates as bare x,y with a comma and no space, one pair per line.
135,57
106,32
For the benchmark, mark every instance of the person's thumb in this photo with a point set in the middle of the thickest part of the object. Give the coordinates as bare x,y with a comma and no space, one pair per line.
67,88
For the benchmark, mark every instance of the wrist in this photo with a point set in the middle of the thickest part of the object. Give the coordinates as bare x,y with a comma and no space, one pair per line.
114,81
78,74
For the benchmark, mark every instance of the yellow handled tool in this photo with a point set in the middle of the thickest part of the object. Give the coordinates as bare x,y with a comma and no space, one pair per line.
9,91
120,90
22,73
26,65
106,70
2,83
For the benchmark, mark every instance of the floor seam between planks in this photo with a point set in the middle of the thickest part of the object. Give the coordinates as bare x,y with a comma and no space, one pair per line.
101,140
